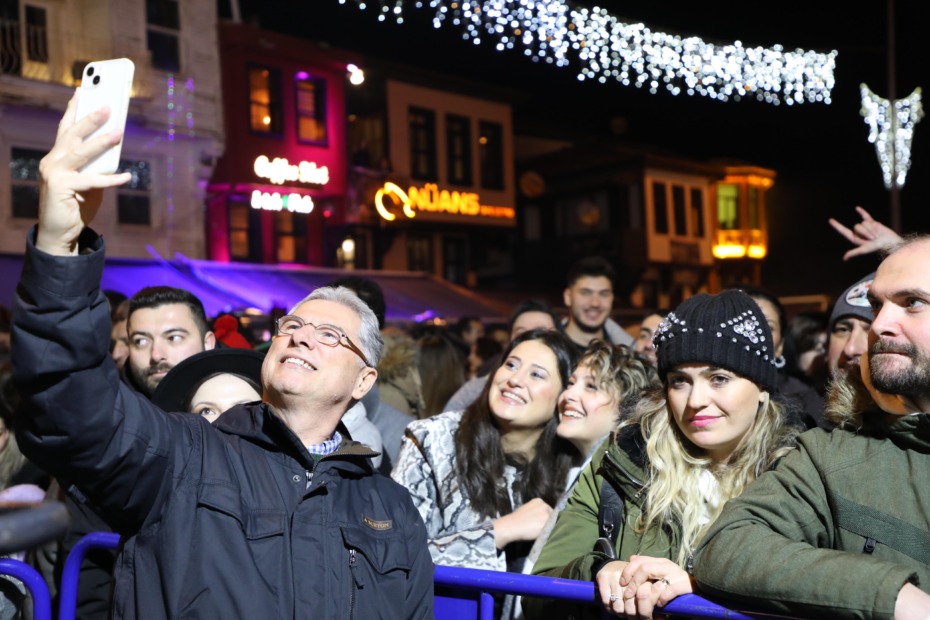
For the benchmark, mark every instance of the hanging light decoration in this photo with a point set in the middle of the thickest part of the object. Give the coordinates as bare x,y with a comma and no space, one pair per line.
609,50
891,130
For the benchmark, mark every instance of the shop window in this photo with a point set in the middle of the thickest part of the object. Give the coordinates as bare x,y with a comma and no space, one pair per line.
311,110
680,210
244,244
727,207
491,154
291,233
422,144
458,150
265,100
660,207
163,23
24,182
133,200
697,212
36,34
420,253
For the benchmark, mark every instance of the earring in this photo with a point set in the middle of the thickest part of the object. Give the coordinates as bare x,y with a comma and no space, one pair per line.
780,362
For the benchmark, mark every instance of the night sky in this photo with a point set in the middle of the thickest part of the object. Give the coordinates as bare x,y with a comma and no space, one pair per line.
824,162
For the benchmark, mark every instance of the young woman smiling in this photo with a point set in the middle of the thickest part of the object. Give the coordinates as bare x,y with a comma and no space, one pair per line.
684,451
485,479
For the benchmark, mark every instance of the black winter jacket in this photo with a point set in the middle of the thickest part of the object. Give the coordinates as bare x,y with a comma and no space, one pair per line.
231,521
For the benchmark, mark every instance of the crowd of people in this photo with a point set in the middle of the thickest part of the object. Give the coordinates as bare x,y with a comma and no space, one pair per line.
717,448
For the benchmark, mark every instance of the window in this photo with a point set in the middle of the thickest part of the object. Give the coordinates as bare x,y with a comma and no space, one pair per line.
311,110
680,210
133,203
727,206
458,149
24,181
36,34
755,208
291,231
660,207
422,144
163,23
265,100
491,154
697,211
419,253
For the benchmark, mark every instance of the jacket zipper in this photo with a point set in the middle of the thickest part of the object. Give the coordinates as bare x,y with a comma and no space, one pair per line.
355,583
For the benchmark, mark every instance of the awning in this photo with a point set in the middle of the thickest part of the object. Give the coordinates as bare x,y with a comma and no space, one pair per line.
227,287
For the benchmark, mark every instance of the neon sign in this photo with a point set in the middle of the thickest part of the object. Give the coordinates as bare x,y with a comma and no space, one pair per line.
276,202
430,198
280,170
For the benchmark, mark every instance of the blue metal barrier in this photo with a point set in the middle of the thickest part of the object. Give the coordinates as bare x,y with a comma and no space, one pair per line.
41,599
67,598
461,593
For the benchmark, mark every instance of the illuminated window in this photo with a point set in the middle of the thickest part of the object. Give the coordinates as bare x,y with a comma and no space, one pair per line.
422,144
728,206
311,110
163,24
680,210
697,212
36,34
660,207
24,182
491,154
265,100
291,233
458,150
133,200
243,245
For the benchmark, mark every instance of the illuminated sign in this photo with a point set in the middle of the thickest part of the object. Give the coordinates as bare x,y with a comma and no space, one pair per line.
430,198
277,202
280,170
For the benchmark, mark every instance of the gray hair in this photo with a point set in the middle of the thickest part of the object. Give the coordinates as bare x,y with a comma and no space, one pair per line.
369,336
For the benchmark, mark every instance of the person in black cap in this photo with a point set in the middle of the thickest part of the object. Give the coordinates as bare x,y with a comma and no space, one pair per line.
211,382
677,458
849,326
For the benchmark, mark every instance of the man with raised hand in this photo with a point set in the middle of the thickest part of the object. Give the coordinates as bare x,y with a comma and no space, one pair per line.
270,513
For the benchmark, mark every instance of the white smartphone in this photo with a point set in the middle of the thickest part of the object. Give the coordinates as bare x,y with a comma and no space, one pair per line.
106,83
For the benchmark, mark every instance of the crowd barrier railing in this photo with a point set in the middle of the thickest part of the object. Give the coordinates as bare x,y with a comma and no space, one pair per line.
38,589
461,593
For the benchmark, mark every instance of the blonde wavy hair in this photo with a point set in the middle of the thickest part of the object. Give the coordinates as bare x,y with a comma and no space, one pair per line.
673,491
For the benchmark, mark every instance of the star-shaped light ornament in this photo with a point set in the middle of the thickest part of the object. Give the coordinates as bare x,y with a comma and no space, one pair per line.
609,50
891,130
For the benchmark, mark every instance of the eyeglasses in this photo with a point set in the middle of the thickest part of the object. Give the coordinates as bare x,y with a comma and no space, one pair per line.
328,335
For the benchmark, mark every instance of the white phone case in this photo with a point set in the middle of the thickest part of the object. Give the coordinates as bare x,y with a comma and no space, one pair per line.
106,83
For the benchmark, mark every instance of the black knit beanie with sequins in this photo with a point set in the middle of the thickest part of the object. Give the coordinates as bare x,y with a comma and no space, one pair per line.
727,330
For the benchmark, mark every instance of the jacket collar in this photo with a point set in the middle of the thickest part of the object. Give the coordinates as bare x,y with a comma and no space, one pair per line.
258,424
910,432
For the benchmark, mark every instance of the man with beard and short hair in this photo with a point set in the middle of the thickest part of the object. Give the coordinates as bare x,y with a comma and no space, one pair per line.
848,328
166,326
589,297
841,525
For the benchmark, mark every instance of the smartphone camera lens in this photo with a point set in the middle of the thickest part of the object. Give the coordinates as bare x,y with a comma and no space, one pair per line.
90,71
96,79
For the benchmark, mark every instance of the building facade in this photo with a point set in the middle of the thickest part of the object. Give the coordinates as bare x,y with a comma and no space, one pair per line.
174,130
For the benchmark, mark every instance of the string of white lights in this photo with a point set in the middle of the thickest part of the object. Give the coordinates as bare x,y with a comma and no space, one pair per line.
891,129
609,50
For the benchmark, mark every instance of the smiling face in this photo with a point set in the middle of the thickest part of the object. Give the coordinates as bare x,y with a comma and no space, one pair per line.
524,390
587,411
218,394
713,407
589,301
159,339
301,373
